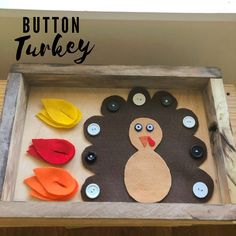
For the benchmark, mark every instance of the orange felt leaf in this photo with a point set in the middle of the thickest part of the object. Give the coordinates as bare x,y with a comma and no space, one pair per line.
69,196
35,194
35,185
50,197
56,181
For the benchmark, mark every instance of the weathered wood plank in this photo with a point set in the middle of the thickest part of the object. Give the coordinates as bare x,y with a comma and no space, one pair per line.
230,90
223,146
7,120
82,223
118,70
86,81
15,144
2,93
106,213
117,76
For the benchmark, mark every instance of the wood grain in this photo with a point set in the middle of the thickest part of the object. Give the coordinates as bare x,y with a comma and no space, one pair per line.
7,121
162,71
206,230
54,213
2,93
222,140
117,76
15,145
230,90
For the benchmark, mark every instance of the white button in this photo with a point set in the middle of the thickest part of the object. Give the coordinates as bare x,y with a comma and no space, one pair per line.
139,99
93,129
189,122
92,191
200,190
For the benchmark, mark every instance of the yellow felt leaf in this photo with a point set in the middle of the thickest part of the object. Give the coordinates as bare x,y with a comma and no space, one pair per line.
43,115
49,121
60,111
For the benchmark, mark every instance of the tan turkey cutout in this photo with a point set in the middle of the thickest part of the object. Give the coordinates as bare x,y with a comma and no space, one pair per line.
147,177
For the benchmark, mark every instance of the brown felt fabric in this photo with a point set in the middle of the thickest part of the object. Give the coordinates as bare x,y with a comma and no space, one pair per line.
147,177
114,148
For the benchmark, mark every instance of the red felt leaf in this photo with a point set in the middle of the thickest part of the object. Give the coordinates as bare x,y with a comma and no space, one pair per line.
54,151
32,151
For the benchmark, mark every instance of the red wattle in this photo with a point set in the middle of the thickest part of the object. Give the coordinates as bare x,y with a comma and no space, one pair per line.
151,141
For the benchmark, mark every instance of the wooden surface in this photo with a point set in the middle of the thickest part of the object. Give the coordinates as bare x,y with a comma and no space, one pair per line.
7,122
113,214
230,90
224,139
163,231
124,231
221,138
117,75
162,71
89,102
16,140
2,93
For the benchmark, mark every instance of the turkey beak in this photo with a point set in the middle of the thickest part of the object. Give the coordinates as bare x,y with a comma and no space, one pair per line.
144,140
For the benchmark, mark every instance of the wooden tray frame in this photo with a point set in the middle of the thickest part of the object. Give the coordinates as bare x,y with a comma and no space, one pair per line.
208,80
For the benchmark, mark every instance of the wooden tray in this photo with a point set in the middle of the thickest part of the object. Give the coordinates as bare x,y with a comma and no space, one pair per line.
199,89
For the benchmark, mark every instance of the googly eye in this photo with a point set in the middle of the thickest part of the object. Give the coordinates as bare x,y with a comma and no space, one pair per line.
150,127
138,127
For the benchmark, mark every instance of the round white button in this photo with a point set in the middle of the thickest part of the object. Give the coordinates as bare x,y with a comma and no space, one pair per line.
200,190
139,99
92,191
189,122
93,129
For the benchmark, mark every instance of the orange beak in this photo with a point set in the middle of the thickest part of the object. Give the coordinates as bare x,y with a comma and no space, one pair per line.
147,140
143,140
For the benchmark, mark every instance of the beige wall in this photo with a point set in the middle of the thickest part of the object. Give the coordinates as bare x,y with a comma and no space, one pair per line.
133,41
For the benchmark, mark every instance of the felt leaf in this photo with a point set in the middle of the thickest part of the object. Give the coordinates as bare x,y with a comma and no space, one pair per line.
56,181
34,184
38,191
32,151
37,195
43,115
54,151
61,111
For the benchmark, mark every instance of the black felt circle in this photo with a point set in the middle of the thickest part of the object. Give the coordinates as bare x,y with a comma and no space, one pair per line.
113,106
90,157
166,101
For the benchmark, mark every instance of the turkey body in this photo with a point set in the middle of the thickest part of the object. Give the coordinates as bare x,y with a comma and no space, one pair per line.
147,177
